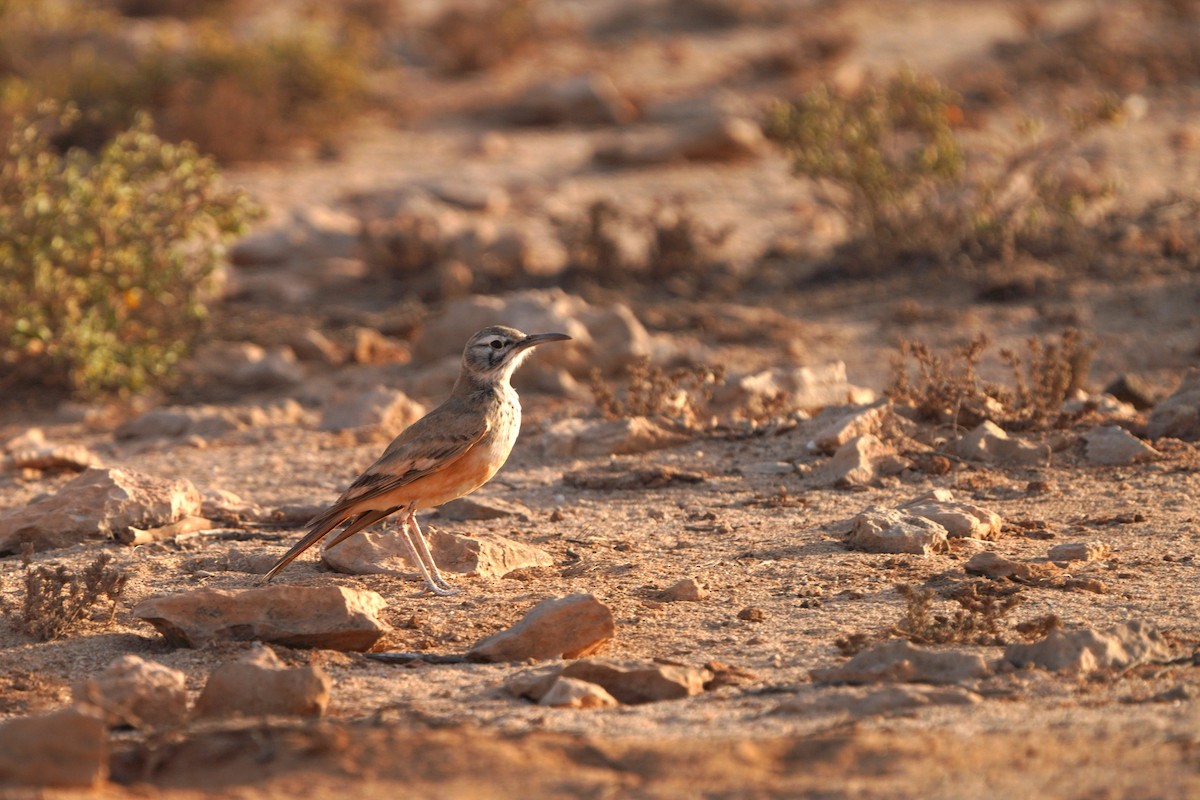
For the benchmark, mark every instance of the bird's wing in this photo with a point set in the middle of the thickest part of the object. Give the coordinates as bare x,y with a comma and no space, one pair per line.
427,446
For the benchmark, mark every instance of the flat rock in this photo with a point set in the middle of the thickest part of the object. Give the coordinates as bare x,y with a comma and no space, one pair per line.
836,426
861,462
879,530
562,627
477,507
574,693
958,518
1178,415
1079,551
993,565
330,617
901,661
685,590
258,684
1082,651
101,503
1115,446
207,422
626,477
135,692
1132,389
224,506
789,388
378,408
584,438
630,682
859,702
485,555
67,748
587,99
722,138
248,365
989,442
30,450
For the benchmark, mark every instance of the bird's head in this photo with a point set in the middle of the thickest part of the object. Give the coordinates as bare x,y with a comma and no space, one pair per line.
495,352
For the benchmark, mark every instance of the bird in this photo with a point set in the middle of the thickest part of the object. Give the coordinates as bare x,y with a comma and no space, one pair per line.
450,452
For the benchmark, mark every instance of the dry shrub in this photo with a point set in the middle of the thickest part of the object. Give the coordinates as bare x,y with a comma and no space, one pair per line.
57,599
983,606
681,394
948,388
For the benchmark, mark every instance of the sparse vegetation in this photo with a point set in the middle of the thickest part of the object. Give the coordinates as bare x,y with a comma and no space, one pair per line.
912,191
107,261
681,394
57,600
948,388
983,605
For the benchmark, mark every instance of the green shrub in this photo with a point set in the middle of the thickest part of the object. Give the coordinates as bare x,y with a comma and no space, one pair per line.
106,261
911,190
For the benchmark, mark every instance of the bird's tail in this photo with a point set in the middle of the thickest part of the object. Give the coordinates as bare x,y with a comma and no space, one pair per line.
321,525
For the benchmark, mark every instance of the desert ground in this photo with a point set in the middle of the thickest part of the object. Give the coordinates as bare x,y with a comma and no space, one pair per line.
719,534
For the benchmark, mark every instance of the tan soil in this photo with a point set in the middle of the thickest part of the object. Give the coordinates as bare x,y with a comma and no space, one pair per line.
447,730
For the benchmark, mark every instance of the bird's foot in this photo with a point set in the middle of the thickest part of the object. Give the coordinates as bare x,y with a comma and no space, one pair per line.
442,590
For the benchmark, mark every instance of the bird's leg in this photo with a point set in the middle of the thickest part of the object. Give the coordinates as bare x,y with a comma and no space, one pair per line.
436,586
423,546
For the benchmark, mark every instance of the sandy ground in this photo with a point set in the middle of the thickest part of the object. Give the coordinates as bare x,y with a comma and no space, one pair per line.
449,730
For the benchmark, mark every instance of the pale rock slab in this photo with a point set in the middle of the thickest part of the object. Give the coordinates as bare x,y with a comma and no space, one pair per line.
1082,651
66,748
1079,551
584,438
861,462
1178,415
630,682
481,507
99,504
259,684
685,590
330,617
485,555
879,530
901,661
1115,446
135,692
562,627
378,408
901,698
989,442
795,388
836,426
960,519
574,693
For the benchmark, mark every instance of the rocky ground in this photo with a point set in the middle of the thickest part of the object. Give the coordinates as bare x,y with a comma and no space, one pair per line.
781,585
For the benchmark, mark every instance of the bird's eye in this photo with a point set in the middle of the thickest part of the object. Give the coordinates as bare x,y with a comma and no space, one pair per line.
497,344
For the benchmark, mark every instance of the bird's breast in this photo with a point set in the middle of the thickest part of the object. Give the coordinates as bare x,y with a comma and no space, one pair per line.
479,463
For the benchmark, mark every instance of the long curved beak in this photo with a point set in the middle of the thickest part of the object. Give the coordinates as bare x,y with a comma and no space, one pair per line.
540,338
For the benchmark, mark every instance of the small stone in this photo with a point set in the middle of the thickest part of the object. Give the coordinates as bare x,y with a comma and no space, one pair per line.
98,504
1079,551
861,462
591,438
722,138
574,693
135,692
372,347
836,426
636,682
1133,389
879,530
312,345
790,388
225,506
378,408
685,590
1091,649
330,617
478,507
63,748
995,566
989,442
958,518
752,614
901,661
247,365
258,684
1178,416
471,195
562,627
588,99
1114,446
